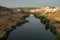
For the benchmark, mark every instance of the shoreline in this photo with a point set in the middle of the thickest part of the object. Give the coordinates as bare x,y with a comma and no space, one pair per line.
10,21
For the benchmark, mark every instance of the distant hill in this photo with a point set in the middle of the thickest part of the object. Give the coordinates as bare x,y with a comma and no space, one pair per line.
4,9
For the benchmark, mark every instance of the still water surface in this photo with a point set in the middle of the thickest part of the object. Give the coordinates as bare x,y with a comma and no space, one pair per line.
33,30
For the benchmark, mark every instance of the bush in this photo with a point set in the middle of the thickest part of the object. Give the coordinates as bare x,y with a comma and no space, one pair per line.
58,36
58,22
44,20
53,29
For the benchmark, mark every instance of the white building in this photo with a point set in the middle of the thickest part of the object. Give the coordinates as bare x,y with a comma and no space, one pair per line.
50,10
32,11
35,10
17,10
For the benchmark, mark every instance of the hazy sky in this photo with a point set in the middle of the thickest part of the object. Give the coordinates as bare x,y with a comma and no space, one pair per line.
29,3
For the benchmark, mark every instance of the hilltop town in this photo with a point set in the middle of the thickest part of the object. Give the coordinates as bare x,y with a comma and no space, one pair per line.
50,13
9,17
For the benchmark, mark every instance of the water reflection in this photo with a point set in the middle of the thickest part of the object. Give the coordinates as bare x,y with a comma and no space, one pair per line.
47,24
33,30
47,27
51,28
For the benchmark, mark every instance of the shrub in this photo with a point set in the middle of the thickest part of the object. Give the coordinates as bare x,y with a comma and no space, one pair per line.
58,22
44,20
53,29
58,36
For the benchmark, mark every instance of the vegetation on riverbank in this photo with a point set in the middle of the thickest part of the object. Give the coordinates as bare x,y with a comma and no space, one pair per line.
52,19
9,19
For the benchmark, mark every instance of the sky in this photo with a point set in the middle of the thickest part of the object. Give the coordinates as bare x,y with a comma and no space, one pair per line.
29,3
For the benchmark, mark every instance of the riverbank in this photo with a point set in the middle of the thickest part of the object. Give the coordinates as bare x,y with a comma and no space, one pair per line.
9,21
52,14
51,20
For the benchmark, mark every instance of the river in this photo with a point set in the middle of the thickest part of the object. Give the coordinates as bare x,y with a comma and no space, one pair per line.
33,30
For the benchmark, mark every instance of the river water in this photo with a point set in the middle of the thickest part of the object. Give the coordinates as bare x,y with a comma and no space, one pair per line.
33,30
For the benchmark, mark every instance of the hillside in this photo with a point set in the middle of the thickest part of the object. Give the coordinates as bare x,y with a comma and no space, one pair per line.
53,15
9,20
4,9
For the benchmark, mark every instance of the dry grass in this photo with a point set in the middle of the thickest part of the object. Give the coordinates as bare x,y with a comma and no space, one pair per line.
9,20
53,17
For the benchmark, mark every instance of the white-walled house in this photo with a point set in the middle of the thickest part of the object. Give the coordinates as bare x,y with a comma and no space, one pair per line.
32,11
58,8
35,10
50,10
46,9
17,10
